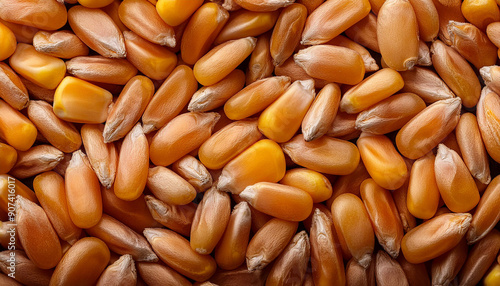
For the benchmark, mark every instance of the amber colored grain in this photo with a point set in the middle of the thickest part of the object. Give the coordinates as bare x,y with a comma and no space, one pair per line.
286,33
434,237
315,184
370,63
269,242
169,187
12,90
364,32
246,23
490,77
175,251
38,92
27,273
486,215
400,199
295,72
260,65
32,222
38,159
481,13
348,183
8,158
426,84
62,44
447,11
357,275
445,268
424,54
176,217
121,272
427,19
45,14
388,271
344,126
174,12
20,190
488,110
319,117
416,274
101,69
193,171
50,191
479,259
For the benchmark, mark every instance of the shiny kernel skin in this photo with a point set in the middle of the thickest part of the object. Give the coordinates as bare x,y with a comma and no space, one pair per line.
9,42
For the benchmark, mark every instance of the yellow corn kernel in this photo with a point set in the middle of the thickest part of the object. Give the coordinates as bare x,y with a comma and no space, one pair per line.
23,34
455,183
169,100
141,17
76,100
286,33
481,12
332,63
154,61
17,130
426,84
424,131
9,42
281,120
255,97
493,276
364,32
174,12
43,70
370,63
314,183
8,158
215,65
45,15
384,164
423,194
12,90
246,168
397,34
180,136
95,3
62,44
332,18
488,110
201,31
101,69
228,143
246,23
97,30
371,90
320,116
260,65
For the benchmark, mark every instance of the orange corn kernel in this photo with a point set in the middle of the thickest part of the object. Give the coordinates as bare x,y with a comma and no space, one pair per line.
332,63
84,261
353,227
370,91
456,72
231,250
133,163
12,90
180,136
122,240
8,158
314,183
472,44
213,96
255,97
427,19
201,31
76,100
424,131
45,14
445,268
364,32
260,65
434,237
193,171
332,18
426,84
175,251
280,201
390,114
32,222
472,148
384,216
397,34
62,44
481,12
169,187
385,165
423,193
154,61
215,65
141,17
268,242
455,183
138,220
174,12
61,134
15,129
283,118
9,42
488,109
246,168
101,69
97,30
286,33
228,143
83,192
246,23
320,116
178,218
486,215
50,191
121,271
370,63
326,155
169,100
128,108
43,70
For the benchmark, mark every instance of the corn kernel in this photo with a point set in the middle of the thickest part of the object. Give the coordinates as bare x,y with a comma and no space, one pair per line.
8,158
17,130
8,41
481,12
174,12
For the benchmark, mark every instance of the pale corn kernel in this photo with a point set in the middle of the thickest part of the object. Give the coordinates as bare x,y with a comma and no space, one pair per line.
76,100
174,12
43,70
